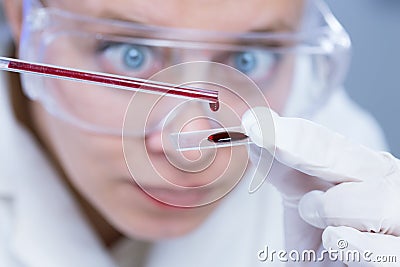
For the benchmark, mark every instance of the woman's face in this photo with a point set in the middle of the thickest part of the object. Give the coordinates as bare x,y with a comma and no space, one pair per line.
95,162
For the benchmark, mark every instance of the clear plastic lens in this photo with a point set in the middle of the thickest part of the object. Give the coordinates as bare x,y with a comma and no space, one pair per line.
286,66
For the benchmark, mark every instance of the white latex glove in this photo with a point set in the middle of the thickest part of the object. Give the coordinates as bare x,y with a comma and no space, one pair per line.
357,197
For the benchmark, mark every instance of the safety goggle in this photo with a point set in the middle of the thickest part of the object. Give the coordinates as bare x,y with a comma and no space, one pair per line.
307,64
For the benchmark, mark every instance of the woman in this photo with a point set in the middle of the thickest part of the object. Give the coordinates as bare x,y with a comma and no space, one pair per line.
67,195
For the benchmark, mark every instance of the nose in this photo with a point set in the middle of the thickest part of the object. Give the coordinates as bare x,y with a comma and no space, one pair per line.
190,117
183,116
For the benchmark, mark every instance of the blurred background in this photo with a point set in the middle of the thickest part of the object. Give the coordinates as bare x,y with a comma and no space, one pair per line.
374,77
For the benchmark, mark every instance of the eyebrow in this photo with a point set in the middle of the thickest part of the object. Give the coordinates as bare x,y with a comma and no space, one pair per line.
277,26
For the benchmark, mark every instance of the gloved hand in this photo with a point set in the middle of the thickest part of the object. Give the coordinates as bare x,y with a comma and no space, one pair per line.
329,183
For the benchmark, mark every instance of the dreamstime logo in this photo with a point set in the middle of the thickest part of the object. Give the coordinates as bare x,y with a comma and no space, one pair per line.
340,254
166,141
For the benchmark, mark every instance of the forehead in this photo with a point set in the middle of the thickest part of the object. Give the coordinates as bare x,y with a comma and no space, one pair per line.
224,15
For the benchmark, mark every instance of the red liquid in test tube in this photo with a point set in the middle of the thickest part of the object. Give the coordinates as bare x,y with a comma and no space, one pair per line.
109,80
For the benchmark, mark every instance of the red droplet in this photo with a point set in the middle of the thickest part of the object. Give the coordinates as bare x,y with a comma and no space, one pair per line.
214,106
224,137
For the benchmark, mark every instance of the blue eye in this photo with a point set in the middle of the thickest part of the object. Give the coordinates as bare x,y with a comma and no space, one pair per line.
134,57
245,61
128,59
258,64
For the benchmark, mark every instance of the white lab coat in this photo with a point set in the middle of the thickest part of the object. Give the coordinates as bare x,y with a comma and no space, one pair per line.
41,226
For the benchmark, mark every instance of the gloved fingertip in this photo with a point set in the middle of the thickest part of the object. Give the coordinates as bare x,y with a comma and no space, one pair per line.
343,237
258,125
248,120
330,237
310,209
